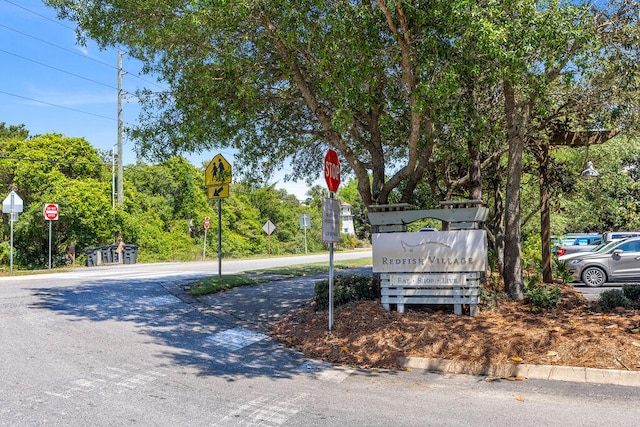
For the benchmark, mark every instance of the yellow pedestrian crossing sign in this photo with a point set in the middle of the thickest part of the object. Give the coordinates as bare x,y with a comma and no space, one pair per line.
218,172
218,191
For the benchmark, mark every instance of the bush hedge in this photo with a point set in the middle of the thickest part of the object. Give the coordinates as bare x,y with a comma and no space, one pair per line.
346,288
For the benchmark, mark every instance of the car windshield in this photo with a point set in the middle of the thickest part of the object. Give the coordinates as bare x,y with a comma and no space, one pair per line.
604,247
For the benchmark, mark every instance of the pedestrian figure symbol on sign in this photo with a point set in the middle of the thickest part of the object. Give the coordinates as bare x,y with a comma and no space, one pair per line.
218,171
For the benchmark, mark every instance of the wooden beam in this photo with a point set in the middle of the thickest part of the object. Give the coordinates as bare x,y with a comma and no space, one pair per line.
582,138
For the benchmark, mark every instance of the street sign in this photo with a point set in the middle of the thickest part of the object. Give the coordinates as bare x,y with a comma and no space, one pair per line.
218,191
268,227
50,212
305,221
218,171
330,220
332,170
12,203
206,222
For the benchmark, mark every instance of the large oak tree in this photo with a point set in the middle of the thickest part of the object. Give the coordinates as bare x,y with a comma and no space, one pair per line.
406,91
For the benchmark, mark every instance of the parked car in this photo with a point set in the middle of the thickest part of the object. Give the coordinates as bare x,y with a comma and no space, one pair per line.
580,243
621,261
602,247
611,236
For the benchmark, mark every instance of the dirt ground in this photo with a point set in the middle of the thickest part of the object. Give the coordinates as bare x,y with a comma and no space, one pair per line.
365,335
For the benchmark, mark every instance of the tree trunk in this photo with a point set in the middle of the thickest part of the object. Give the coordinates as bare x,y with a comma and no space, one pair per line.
545,219
475,174
516,121
498,223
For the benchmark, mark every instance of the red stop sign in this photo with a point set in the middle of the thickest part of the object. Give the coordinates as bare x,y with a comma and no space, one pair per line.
50,212
206,222
332,170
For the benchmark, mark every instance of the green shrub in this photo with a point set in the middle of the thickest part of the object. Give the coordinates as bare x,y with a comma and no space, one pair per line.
541,297
632,292
491,298
531,281
561,270
531,250
612,299
346,288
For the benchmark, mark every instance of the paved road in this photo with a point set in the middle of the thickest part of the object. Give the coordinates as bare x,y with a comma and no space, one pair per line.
124,346
593,294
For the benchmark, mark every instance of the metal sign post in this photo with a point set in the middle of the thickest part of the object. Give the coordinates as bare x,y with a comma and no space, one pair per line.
217,177
219,239
305,223
268,228
50,212
206,227
12,205
331,235
331,217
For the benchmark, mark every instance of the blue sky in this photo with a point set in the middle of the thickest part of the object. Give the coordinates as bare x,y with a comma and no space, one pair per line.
51,84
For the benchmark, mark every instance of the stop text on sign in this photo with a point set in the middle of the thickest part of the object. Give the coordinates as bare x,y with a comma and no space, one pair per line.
332,170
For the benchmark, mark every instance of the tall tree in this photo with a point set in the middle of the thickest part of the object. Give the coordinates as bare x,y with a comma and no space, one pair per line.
388,83
285,79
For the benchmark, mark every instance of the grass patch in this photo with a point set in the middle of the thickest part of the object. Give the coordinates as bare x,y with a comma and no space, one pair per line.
211,285
316,268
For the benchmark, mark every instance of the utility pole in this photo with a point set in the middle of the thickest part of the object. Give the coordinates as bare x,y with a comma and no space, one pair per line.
120,131
113,177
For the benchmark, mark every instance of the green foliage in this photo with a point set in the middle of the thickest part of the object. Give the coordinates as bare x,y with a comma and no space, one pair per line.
164,208
5,253
632,292
211,285
561,270
348,193
609,202
531,251
346,288
541,297
13,132
316,268
612,299
491,298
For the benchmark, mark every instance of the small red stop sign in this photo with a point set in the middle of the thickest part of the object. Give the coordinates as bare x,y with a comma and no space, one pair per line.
332,170
206,222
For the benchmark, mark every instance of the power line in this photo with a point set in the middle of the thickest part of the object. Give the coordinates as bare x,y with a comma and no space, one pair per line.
58,69
40,15
59,106
59,47
66,49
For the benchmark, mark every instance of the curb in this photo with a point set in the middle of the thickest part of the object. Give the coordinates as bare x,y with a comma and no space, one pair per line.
532,372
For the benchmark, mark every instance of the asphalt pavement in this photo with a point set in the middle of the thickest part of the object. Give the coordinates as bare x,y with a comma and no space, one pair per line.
255,307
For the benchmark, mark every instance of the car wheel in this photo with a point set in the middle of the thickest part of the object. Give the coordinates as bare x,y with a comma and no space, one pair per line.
594,277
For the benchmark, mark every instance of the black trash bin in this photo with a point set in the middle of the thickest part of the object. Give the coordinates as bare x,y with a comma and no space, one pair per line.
107,256
92,256
130,254
115,255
